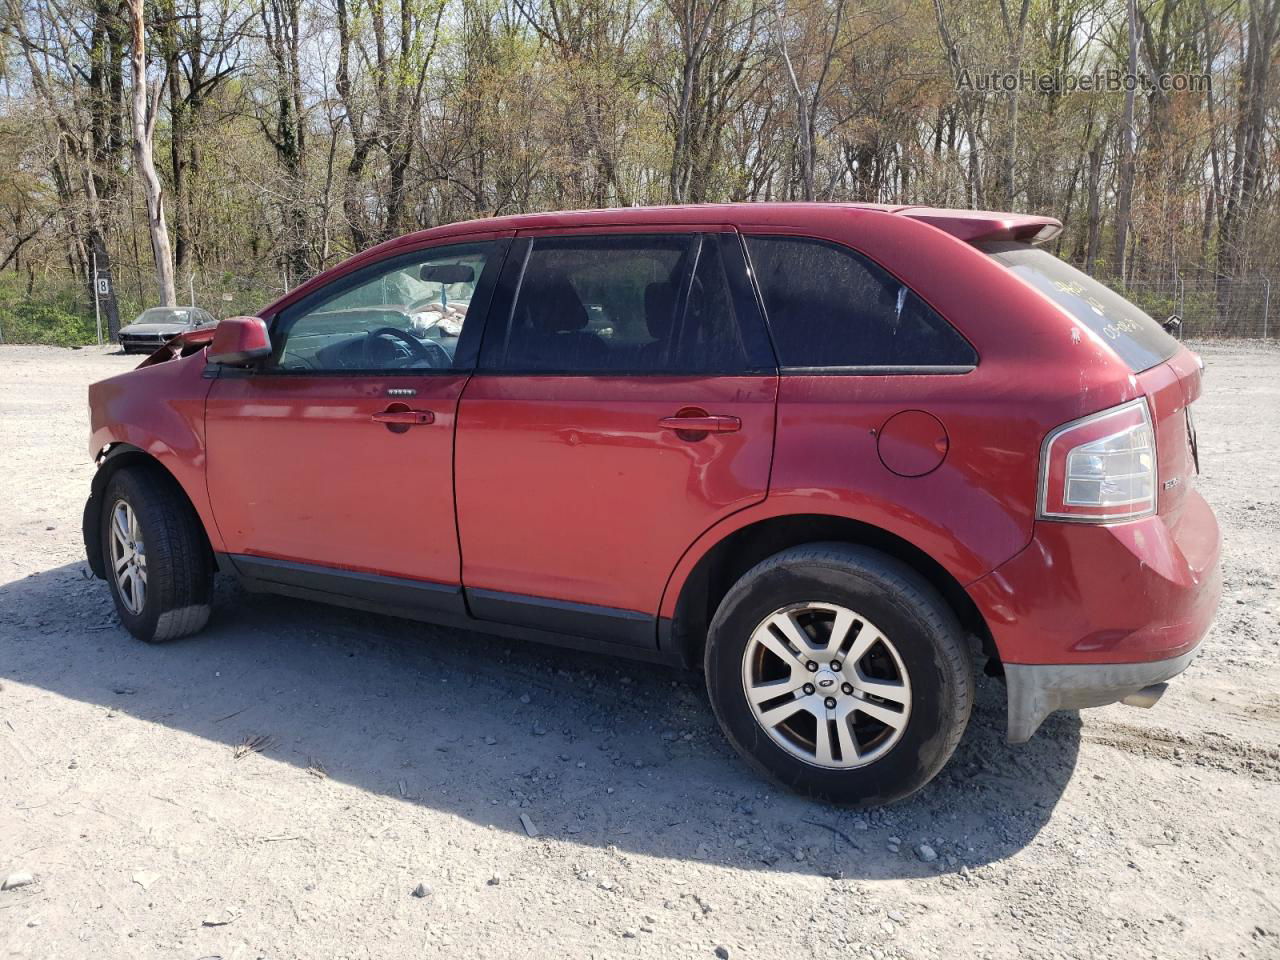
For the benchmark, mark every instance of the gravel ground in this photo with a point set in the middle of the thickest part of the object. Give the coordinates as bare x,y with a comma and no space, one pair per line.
393,755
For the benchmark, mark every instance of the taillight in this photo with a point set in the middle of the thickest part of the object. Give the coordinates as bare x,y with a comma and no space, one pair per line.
1100,468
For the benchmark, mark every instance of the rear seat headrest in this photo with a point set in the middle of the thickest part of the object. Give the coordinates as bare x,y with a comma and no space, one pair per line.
557,308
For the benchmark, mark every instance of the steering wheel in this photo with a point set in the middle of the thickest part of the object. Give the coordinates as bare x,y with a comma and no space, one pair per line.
432,353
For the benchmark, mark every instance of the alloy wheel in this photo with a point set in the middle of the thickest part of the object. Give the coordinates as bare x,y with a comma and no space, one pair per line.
826,685
128,557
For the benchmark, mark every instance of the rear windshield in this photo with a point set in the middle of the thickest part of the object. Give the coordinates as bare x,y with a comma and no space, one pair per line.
1132,334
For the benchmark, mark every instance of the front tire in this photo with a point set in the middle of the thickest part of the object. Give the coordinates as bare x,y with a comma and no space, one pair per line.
157,560
840,672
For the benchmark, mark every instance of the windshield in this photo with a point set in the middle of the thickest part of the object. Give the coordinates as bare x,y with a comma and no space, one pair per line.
434,289
1135,337
167,315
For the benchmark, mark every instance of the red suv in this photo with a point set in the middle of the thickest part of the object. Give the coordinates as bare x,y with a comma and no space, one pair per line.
829,452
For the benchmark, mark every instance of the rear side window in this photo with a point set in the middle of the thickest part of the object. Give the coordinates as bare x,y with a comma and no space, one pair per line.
1135,337
827,306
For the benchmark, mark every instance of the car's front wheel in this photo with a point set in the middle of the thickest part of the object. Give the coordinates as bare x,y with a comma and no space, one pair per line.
157,560
840,672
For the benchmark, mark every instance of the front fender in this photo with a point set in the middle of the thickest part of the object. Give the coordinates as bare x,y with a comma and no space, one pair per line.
158,410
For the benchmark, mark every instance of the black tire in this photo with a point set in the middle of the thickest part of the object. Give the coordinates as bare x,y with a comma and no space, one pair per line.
179,564
906,608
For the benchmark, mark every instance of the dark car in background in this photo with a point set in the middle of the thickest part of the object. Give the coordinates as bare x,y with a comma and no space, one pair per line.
155,326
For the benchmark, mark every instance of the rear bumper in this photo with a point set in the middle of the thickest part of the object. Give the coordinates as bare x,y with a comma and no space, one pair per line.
1087,614
1036,690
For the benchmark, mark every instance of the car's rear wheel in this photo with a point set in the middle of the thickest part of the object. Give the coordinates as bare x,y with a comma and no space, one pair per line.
157,560
840,672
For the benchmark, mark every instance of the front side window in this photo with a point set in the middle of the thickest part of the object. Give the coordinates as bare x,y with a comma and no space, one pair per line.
620,304
405,314
828,306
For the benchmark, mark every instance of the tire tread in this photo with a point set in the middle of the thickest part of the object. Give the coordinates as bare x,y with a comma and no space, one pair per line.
179,563
913,592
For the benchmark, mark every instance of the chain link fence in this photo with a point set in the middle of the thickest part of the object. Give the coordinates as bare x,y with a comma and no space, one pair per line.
1210,308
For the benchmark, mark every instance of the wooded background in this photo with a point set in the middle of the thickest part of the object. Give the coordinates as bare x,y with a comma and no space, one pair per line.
287,134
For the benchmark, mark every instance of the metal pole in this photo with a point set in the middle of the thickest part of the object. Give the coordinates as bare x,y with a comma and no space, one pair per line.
1182,305
1266,306
97,300
191,286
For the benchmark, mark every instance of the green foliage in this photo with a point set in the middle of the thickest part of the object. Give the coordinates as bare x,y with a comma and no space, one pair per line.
55,319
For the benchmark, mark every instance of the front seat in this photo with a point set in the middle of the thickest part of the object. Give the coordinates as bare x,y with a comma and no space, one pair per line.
551,332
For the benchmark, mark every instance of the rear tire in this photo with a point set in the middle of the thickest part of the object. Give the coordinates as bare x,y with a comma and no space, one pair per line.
158,563
865,721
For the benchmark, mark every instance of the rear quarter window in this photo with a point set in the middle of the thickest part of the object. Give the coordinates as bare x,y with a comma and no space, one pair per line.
830,307
1131,333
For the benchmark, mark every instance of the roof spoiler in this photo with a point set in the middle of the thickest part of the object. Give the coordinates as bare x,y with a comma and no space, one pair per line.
975,226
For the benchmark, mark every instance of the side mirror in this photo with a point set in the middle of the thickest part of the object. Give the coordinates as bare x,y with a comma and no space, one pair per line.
1172,324
239,340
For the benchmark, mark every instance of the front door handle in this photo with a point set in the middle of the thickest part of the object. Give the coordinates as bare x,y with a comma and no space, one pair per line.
701,422
406,418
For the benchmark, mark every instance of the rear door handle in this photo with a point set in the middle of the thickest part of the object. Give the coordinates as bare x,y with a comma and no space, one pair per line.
704,423
408,418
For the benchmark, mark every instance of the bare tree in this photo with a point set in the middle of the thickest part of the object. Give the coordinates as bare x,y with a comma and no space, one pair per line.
1015,33
384,118
1256,76
199,44
82,128
715,47
1128,151
808,98
292,132
144,128
968,108
284,122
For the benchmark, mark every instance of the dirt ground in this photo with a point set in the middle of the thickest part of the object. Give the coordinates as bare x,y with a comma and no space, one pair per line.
398,755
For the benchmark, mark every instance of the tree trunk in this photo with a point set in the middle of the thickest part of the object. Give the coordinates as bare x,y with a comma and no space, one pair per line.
1015,35
974,186
1247,161
1094,217
1128,151
804,149
178,154
144,153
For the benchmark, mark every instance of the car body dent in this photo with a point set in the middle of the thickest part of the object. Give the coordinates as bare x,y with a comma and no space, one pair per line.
159,409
